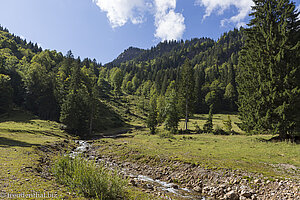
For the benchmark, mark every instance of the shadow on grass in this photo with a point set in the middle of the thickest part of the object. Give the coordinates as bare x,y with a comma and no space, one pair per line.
17,116
295,140
7,142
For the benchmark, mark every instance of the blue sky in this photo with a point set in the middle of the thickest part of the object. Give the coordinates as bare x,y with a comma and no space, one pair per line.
102,29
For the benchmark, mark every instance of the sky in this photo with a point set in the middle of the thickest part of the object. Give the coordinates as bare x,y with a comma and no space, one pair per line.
102,29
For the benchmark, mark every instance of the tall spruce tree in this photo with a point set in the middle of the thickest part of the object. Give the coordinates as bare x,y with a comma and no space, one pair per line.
186,90
268,84
152,116
75,108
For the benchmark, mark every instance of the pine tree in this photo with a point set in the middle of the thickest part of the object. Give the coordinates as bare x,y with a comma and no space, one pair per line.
268,84
186,90
171,111
75,108
199,82
208,126
152,116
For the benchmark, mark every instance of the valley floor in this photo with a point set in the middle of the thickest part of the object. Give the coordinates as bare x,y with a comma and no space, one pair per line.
225,167
215,166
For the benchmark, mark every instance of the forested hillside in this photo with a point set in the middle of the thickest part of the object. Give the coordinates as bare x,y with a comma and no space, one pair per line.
254,71
214,68
59,87
52,86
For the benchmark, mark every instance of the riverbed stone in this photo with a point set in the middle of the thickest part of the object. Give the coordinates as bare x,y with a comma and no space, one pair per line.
197,189
232,195
246,194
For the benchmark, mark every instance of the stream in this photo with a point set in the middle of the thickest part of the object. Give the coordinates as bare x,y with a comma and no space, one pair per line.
174,189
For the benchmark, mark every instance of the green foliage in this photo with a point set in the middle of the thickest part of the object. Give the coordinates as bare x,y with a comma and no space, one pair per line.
228,125
208,126
220,131
186,91
230,96
6,94
88,179
161,105
171,112
116,79
39,85
197,128
268,86
81,107
152,116
211,98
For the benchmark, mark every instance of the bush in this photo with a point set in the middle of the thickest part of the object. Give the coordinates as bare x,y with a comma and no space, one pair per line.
198,130
86,178
166,134
228,125
220,131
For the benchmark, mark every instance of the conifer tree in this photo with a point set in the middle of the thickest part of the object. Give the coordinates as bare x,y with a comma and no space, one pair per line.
152,116
171,111
75,110
268,84
186,90
208,126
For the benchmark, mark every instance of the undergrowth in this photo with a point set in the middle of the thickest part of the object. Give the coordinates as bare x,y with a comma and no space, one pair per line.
89,179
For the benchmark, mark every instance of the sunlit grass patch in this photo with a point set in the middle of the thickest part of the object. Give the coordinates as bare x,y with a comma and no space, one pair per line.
242,152
87,178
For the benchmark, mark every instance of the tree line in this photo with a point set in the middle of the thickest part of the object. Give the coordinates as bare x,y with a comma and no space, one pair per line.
252,71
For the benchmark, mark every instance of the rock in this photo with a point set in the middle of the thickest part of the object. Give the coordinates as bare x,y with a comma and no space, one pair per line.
149,186
206,189
246,194
132,182
197,189
175,186
257,181
232,195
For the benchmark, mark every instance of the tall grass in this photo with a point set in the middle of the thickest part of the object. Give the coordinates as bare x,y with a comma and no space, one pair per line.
86,178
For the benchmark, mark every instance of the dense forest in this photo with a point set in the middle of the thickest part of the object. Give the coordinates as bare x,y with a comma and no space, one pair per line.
253,71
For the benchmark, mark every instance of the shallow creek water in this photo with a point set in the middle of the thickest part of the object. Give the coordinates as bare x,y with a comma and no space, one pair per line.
172,188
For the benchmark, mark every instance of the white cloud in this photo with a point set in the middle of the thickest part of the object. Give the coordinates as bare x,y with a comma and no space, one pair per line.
119,12
169,24
243,7
162,6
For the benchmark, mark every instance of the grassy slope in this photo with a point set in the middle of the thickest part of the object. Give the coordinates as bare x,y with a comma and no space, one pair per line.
20,134
248,153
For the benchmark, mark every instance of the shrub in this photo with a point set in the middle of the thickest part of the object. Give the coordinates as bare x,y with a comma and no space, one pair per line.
220,131
166,134
198,130
86,178
228,125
